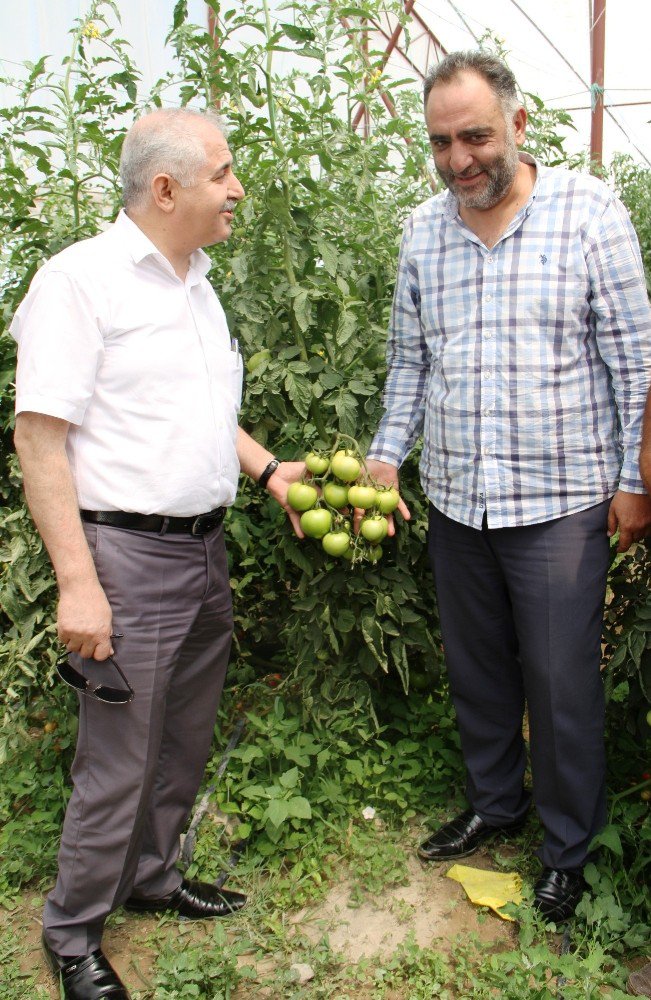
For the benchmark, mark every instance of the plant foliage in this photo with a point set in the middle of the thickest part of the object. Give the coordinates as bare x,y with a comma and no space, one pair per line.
361,717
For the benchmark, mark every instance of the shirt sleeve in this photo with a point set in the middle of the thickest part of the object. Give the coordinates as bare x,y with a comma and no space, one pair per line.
408,365
60,347
620,306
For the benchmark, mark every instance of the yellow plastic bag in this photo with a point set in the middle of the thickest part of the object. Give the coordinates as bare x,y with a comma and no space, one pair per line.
485,888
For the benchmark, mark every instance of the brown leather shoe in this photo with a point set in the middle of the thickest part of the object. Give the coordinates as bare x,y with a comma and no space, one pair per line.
86,977
192,900
461,837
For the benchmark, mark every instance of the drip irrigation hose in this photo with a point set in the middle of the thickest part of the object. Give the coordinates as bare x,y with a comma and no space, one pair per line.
565,947
190,840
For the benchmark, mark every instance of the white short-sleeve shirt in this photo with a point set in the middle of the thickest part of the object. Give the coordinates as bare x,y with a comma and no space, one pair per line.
142,366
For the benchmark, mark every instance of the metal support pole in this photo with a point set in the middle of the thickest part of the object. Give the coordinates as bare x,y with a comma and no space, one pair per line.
597,52
214,34
393,41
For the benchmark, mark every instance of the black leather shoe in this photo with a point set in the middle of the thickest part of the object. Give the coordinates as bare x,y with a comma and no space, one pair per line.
557,892
87,977
192,900
461,837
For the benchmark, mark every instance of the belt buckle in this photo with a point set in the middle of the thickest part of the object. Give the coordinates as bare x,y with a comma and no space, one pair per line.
203,523
197,524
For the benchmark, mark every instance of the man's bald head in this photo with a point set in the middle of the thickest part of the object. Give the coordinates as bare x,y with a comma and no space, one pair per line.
166,141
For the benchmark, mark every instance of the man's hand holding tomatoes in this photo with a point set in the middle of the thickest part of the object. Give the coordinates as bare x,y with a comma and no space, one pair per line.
386,475
254,459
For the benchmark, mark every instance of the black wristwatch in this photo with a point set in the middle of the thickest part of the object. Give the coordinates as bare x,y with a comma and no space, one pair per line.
268,472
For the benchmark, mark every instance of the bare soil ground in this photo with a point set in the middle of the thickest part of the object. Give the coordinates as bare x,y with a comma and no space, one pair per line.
431,907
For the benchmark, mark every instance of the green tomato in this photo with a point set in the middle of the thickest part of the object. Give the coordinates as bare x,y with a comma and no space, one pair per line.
336,495
300,496
257,359
374,529
317,464
316,523
418,681
387,500
345,466
336,543
362,496
374,553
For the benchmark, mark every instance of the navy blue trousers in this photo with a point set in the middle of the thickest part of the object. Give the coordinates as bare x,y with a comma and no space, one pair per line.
521,612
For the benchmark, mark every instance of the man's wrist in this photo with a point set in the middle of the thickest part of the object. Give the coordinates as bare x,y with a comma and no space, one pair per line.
268,472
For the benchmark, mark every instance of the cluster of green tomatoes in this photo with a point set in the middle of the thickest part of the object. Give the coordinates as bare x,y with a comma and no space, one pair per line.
339,485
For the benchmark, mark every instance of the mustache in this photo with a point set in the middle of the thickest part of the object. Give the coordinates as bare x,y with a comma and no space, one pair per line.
229,206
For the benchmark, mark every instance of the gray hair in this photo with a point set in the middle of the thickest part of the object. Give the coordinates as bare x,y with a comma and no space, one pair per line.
163,142
496,74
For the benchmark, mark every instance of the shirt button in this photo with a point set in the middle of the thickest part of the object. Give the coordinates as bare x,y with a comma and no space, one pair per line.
487,452
490,260
487,373
488,411
489,297
488,334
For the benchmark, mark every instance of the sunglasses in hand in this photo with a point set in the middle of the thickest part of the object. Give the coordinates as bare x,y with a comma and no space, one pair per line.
100,692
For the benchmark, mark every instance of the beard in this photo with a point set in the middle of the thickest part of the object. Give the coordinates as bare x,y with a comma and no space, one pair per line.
499,175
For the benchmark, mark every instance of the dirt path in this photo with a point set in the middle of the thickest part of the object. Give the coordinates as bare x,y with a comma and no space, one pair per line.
431,907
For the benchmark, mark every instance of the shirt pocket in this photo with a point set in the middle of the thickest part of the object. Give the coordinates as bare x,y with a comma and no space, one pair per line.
235,370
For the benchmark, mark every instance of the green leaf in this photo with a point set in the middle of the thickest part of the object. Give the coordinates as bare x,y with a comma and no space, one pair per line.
239,266
180,14
302,309
299,390
298,34
636,645
346,409
290,778
299,808
347,327
374,640
609,837
329,254
276,812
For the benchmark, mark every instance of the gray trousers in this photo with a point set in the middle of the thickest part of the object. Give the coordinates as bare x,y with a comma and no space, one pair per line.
138,767
521,613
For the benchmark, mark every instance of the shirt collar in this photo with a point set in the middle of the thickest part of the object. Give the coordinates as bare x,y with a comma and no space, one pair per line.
140,247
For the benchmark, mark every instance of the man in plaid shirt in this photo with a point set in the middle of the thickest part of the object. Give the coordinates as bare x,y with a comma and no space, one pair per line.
520,348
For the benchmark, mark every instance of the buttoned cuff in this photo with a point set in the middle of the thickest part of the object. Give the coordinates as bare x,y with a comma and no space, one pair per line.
630,480
390,452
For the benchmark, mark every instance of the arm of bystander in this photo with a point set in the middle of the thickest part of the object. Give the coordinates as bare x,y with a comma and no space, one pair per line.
84,614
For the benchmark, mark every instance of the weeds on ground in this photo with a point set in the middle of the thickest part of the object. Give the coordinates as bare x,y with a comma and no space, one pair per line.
14,983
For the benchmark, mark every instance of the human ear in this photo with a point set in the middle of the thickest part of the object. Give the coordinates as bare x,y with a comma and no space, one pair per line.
163,192
520,125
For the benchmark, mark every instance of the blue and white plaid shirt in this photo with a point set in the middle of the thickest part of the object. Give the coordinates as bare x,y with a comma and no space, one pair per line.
525,366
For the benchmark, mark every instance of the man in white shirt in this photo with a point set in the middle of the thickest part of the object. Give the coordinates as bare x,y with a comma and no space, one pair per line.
128,389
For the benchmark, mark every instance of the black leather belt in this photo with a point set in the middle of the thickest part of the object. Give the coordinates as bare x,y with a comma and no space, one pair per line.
199,525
